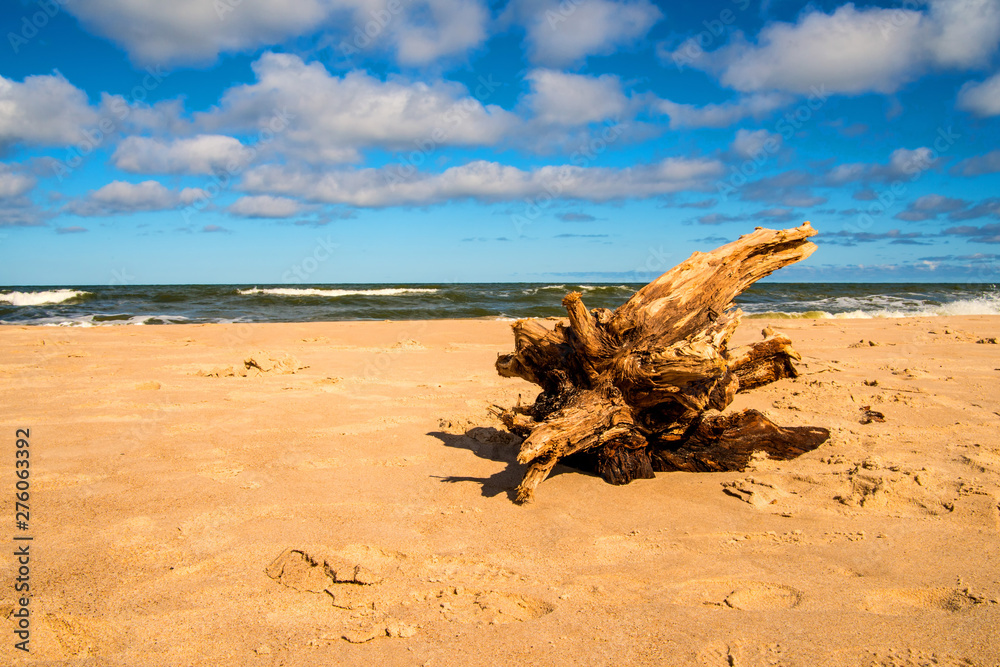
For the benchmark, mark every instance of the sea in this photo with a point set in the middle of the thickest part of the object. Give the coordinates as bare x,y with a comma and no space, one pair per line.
132,305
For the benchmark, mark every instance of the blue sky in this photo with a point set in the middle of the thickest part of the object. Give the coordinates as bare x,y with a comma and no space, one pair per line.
331,141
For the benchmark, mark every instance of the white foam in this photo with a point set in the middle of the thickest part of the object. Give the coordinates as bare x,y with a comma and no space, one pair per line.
87,321
294,291
983,305
40,298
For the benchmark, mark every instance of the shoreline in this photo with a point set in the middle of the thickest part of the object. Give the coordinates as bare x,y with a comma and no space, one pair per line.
776,317
173,487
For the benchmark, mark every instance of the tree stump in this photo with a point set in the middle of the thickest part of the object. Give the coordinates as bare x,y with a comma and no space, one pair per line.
625,392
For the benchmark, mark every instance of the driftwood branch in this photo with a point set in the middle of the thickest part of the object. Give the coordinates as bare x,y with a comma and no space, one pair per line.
625,393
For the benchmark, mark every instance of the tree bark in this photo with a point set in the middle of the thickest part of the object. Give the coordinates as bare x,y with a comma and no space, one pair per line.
625,393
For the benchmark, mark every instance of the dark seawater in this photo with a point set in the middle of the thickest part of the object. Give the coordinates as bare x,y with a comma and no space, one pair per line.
102,305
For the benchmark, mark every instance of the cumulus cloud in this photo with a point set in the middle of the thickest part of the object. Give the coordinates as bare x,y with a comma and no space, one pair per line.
751,144
44,110
930,206
435,29
265,206
16,207
985,234
560,33
13,184
121,197
776,214
201,154
982,99
854,51
717,219
195,32
483,181
894,236
325,119
574,99
987,163
904,164
989,207
721,115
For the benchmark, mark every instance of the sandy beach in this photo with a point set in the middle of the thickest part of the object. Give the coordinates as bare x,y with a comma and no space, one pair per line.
342,499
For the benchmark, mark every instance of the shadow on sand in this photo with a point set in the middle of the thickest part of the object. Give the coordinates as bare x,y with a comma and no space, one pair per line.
493,444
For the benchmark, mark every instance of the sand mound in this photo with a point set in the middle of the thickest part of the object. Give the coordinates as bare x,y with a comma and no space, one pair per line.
257,364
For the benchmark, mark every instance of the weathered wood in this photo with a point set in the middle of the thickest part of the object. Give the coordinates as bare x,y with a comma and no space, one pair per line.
624,393
719,443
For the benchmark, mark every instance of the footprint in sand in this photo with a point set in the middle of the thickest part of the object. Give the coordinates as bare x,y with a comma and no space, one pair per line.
739,654
916,658
909,601
756,492
736,594
376,593
983,460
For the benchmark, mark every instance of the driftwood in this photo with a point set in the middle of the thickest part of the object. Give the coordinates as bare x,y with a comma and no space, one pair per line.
625,392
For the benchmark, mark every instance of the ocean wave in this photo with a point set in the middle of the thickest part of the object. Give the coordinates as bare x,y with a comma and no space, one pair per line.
87,321
585,289
983,305
532,291
40,298
299,292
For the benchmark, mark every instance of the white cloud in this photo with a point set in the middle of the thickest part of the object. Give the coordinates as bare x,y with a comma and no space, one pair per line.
434,29
752,144
44,110
201,154
565,99
14,184
328,119
195,32
847,173
560,32
721,115
982,99
121,197
16,208
484,181
904,164
189,196
987,163
265,206
963,33
21,213
854,51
